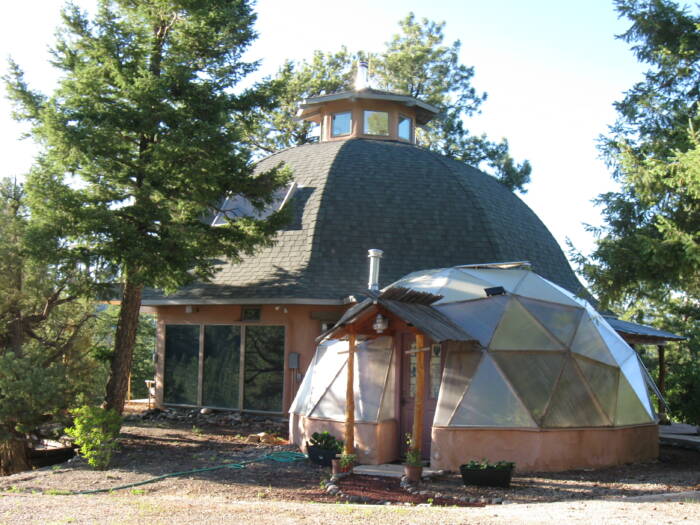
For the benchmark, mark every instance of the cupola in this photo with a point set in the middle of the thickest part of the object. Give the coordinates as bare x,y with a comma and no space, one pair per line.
365,112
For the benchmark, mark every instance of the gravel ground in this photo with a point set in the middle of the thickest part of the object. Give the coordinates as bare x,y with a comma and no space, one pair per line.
168,509
282,492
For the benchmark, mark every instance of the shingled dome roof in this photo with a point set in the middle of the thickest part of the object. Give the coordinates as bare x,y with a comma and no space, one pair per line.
422,209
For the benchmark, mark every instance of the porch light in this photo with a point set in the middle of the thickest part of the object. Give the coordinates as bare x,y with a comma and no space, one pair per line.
380,324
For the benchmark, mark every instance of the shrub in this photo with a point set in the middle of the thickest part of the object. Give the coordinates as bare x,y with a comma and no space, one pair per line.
326,441
95,431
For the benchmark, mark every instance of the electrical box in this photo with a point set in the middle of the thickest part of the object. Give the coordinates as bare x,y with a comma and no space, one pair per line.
293,360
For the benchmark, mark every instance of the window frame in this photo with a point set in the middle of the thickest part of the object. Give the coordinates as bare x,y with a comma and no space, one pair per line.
364,123
241,369
410,127
333,115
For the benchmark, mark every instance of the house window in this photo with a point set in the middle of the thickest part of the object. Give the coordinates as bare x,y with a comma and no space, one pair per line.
225,366
341,124
404,129
376,123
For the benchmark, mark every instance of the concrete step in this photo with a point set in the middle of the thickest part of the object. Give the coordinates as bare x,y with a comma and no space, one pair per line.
388,470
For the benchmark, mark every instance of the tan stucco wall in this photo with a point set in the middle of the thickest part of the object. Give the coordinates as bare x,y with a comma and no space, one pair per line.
375,443
545,450
300,334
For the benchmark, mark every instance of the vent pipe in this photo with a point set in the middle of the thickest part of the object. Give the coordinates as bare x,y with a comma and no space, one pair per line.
374,256
362,77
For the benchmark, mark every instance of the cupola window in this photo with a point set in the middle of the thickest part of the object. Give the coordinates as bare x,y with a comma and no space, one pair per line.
404,129
376,123
342,124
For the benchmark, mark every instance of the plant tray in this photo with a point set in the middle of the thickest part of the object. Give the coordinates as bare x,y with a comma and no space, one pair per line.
486,477
320,456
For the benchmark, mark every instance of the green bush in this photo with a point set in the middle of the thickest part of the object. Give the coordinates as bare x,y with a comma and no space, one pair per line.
326,441
95,431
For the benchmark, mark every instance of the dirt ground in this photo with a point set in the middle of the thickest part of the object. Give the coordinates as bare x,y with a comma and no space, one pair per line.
154,448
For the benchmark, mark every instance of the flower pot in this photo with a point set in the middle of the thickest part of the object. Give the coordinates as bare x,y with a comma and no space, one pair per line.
320,456
413,472
336,468
486,477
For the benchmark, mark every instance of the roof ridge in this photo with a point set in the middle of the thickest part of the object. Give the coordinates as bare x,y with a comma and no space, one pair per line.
475,200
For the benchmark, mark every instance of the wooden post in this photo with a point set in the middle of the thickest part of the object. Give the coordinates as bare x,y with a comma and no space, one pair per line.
350,400
661,352
419,401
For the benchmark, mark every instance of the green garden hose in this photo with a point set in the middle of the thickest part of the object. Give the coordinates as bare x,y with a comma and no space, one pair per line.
280,457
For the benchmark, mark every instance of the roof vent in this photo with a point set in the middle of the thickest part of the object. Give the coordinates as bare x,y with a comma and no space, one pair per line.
362,77
374,256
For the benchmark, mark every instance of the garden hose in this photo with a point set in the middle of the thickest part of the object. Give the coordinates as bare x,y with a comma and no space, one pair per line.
280,457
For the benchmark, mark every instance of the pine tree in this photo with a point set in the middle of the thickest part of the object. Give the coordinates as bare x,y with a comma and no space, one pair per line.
140,141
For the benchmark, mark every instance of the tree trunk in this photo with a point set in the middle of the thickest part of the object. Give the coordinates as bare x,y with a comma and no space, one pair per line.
14,456
124,341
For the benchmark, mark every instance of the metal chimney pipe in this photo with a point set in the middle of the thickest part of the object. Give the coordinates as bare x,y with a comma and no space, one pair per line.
362,77
375,257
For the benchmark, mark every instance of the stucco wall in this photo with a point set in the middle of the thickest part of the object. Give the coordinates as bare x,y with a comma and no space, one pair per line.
301,331
375,443
545,450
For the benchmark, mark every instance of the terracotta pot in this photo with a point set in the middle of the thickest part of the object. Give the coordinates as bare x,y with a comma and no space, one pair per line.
413,472
336,468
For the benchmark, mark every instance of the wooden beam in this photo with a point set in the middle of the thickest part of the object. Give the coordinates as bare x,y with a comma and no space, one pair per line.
419,401
661,352
350,399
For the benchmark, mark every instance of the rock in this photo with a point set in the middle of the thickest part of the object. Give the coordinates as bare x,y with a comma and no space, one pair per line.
355,499
332,489
424,493
437,495
206,411
497,501
253,438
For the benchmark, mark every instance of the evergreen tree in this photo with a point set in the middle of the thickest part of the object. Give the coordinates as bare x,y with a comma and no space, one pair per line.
45,350
140,140
647,255
415,62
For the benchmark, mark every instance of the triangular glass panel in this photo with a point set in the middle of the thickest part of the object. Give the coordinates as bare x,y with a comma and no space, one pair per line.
571,404
330,357
478,318
633,372
509,279
603,382
533,375
518,330
332,402
560,320
460,365
490,402
538,288
620,350
588,342
630,410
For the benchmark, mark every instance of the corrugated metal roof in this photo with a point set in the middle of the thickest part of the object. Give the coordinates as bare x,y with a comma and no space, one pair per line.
423,316
642,330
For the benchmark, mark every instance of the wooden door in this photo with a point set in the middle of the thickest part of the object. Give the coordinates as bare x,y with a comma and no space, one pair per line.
433,361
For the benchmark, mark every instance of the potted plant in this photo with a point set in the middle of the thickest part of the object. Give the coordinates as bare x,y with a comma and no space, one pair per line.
413,468
344,463
487,474
323,447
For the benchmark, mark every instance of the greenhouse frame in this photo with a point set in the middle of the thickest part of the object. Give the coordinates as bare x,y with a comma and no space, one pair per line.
525,372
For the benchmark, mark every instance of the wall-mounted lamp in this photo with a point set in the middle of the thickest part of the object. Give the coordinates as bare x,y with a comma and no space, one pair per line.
380,324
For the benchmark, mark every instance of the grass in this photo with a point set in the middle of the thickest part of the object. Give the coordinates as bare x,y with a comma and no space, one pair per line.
57,492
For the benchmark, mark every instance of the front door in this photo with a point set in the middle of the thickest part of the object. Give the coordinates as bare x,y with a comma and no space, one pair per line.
433,361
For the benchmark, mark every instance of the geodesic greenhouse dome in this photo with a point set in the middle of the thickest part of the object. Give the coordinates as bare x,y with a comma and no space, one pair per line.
547,358
528,356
